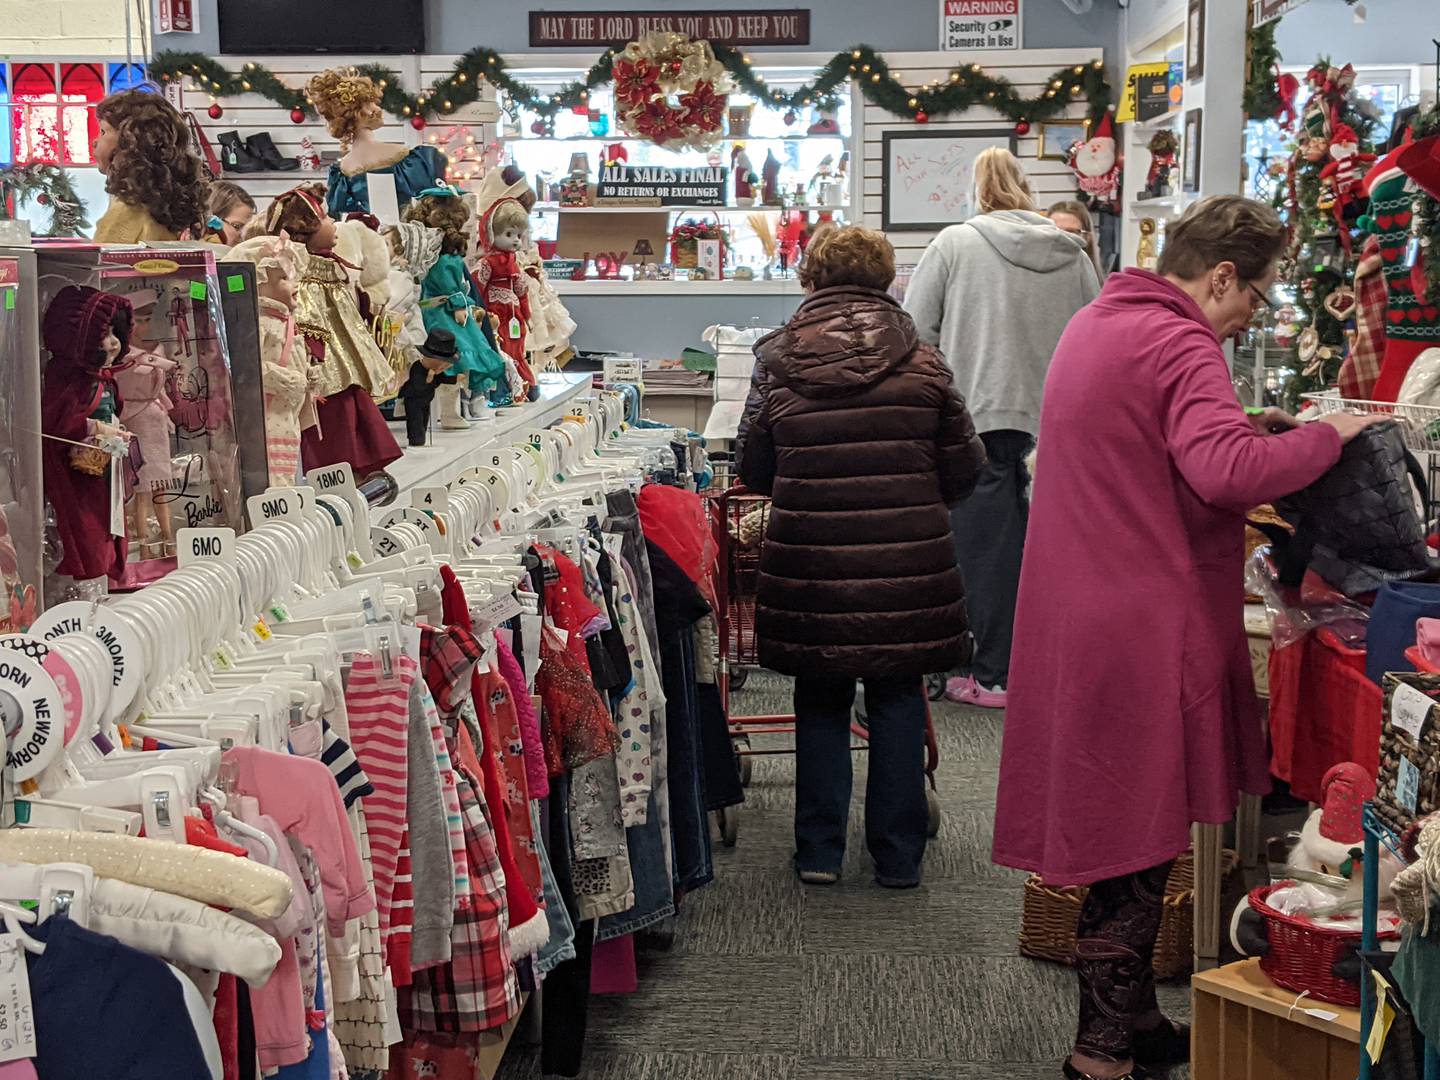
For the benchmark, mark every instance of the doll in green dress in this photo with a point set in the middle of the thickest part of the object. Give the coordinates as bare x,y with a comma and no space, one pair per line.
450,301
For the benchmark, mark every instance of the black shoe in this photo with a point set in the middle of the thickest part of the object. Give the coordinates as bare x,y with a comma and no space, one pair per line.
897,882
235,156
1168,1044
263,147
1137,1072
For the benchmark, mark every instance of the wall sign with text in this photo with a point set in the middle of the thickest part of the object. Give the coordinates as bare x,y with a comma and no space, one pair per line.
779,26
654,185
969,25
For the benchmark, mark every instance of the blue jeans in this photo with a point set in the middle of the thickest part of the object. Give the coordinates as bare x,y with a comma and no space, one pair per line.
895,814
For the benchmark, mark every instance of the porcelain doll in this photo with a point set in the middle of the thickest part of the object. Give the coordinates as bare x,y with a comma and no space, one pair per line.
286,372
85,331
413,251
154,177
142,377
353,373
350,104
504,231
450,301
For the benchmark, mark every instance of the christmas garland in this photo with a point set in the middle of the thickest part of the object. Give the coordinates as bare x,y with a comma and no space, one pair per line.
1262,94
1427,210
46,185
967,86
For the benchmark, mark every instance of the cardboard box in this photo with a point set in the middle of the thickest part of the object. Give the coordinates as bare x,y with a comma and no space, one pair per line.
1244,1027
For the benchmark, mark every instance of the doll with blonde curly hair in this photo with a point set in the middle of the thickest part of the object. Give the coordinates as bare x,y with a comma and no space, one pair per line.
351,106
155,179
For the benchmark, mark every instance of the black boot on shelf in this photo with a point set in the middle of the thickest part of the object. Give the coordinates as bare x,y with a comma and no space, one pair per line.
263,147
235,156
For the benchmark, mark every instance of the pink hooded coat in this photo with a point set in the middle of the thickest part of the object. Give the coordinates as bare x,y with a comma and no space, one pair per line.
1132,709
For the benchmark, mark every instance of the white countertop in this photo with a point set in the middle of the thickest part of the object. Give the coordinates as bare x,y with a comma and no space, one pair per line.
451,451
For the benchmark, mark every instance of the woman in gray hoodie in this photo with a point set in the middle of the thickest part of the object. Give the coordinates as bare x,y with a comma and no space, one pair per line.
994,293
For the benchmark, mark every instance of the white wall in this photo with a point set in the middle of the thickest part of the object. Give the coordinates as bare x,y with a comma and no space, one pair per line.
1396,32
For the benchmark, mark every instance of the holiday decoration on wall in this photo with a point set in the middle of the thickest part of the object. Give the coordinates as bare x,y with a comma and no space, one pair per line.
1097,166
48,186
672,91
965,87
461,150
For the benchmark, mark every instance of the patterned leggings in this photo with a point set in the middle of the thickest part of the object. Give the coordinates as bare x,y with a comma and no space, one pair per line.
1114,947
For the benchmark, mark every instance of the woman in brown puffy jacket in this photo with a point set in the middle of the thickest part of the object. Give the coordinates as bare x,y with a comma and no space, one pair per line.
857,432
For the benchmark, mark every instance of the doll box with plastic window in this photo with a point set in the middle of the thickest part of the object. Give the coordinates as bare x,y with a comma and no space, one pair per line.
21,500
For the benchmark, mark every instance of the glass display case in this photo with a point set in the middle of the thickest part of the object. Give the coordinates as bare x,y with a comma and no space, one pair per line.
21,502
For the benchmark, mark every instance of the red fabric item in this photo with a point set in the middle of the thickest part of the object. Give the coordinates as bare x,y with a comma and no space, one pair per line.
1399,355
612,967
433,1057
402,926
350,429
1323,711
676,521
1361,369
1347,788
200,833
486,765
227,1026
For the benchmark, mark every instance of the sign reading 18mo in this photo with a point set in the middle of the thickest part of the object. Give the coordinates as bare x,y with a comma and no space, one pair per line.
979,24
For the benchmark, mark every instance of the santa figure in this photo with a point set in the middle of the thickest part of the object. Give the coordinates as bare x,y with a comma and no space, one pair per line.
1097,166
1344,171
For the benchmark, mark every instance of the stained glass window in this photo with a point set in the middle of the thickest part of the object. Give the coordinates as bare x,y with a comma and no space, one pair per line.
81,88
36,113
128,77
7,151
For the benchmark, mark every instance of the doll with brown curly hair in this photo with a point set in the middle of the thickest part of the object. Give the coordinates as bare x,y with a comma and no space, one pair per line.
450,301
155,179
350,104
353,371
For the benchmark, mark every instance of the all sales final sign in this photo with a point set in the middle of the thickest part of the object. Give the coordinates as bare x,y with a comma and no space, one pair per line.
967,25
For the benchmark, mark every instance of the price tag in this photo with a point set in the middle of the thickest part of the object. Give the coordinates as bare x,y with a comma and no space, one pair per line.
333,479
280,504
17,1018
197,290
625,370
494,612
205,545
435,500
1409,709
261,631
1407,785
223,659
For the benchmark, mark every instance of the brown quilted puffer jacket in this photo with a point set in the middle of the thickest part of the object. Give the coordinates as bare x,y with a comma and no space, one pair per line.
856,430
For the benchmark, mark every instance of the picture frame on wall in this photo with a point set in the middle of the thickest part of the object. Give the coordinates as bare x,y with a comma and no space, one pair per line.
928,177
1055,137
1190,151
1195,40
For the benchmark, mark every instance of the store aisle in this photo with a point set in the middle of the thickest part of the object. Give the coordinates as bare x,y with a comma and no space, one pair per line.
768,978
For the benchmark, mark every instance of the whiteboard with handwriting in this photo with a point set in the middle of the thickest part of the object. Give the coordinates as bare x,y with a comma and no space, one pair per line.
929,176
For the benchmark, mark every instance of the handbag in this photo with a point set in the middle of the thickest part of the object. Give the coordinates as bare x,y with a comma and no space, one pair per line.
1359,525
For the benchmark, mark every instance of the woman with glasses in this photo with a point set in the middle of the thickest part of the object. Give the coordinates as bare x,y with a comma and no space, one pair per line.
1132,708
1073,216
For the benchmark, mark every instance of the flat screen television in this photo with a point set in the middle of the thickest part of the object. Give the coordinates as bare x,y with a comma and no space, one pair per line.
343,27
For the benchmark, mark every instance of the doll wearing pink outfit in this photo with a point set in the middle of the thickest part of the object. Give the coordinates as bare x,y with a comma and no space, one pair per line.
142,377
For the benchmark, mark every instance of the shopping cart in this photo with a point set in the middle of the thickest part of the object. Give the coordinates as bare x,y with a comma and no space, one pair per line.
738,518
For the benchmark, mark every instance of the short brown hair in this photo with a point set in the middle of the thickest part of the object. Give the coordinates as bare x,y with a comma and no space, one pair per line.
848,255
1223,228
155,165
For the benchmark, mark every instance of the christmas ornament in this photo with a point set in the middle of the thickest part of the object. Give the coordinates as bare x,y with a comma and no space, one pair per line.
537,128
418,123
297,115
1097,166
922,117
671,91
215,111
1022,127
790,118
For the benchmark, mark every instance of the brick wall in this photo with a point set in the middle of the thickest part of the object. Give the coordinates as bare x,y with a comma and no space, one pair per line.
82,29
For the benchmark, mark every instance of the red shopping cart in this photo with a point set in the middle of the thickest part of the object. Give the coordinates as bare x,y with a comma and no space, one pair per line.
738,518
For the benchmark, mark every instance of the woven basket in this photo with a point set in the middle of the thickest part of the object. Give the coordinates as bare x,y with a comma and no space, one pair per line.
1050,916
1301,954
90,460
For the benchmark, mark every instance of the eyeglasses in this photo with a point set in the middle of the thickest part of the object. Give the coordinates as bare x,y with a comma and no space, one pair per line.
1258,295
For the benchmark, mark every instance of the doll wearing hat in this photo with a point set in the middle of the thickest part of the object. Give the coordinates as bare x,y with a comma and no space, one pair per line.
286,373
428,372
353,373
142,377
85,331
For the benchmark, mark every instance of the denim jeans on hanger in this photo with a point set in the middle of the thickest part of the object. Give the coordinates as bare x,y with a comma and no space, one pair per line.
561,945
654,896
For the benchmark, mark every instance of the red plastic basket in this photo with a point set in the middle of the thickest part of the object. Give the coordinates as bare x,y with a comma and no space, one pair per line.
1302,954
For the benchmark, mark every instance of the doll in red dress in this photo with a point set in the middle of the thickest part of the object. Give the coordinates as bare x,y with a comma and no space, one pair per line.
504,229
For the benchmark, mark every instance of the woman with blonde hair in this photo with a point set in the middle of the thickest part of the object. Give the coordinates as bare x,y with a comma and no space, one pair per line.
994,293
1073,216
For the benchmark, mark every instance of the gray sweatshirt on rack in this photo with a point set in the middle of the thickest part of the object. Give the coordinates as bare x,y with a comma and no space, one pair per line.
994,293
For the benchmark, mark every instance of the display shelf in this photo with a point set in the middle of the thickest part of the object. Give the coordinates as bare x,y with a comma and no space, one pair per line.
726,287
1169,206
451,451
1155,123
277,174
551,208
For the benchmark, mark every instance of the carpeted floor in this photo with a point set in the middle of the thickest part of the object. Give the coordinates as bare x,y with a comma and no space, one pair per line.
771,979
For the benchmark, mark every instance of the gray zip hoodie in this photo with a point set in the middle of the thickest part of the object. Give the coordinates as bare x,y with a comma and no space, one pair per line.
994,293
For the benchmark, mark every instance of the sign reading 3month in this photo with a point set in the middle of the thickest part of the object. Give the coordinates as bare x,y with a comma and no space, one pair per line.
655,185
119,638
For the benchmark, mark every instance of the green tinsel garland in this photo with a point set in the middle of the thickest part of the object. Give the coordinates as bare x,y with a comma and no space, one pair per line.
1262,96
967,86
48,185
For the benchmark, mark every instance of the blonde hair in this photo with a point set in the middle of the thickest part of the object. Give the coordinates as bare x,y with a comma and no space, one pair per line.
848,255
1081,213
1000,182
343,96
510,213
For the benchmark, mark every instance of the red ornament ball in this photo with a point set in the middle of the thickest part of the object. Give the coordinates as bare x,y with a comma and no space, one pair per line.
297,115
1022,127
215,112
538,127
43,199
922,117
418,123
790,118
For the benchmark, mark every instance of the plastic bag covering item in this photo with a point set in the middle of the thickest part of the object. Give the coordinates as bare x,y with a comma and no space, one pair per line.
1359,525
1297,611
1422,381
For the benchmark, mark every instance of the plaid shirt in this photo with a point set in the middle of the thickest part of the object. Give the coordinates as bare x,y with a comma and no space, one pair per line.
1362,366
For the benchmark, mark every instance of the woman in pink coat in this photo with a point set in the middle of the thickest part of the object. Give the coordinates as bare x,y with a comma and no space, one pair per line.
1132,712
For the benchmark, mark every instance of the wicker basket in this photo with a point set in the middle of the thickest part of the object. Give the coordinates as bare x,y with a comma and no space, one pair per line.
90,459
1050,916
1301,954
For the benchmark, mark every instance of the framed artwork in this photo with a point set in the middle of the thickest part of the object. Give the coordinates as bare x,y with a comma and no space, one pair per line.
1190,163
1055,138
1195,40
928,176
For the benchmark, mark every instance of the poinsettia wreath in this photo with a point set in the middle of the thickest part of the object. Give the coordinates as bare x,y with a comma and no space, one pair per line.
671,91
